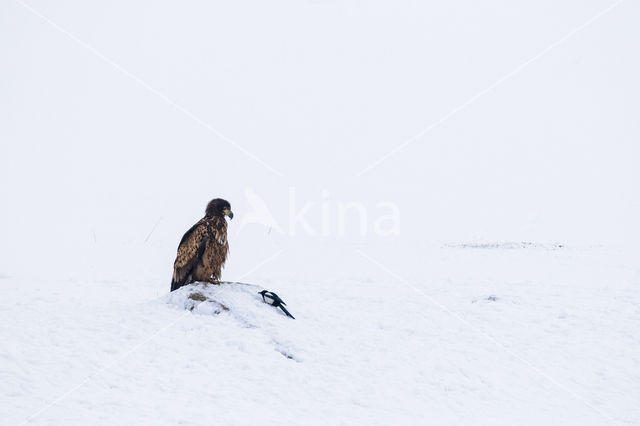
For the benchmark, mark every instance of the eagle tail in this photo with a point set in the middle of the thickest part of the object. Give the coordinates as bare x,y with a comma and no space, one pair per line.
175,285
286,312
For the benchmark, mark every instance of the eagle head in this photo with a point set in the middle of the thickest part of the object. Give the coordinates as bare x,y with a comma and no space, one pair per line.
219,207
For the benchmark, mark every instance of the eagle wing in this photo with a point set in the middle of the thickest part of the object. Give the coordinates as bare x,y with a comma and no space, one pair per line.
190,250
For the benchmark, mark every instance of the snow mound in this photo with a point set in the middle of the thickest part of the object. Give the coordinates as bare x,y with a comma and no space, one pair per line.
239,299
240,305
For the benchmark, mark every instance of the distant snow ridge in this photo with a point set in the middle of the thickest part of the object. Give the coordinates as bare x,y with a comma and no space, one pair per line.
509,245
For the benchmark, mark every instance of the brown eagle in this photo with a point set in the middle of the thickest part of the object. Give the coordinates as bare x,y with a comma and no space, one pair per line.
203,249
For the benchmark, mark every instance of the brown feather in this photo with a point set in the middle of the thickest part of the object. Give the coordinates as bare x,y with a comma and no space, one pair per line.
202,252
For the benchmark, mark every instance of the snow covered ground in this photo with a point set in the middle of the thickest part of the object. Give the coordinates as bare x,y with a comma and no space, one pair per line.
445,194
487,336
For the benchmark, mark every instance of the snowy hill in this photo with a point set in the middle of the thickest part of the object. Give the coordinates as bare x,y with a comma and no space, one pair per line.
497,336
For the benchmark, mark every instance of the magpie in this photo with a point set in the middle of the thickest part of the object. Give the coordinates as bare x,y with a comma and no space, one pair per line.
274,300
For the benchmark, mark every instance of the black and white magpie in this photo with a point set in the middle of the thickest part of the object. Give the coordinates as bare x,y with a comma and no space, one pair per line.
274,300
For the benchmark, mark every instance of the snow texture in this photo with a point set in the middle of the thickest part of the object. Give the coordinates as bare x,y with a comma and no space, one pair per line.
496,337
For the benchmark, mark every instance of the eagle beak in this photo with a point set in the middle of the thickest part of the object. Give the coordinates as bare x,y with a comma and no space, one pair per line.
228,213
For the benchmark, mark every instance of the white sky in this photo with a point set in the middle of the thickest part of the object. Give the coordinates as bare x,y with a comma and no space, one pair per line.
92,155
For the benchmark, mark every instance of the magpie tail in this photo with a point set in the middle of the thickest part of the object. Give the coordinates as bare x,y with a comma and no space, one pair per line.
286,312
